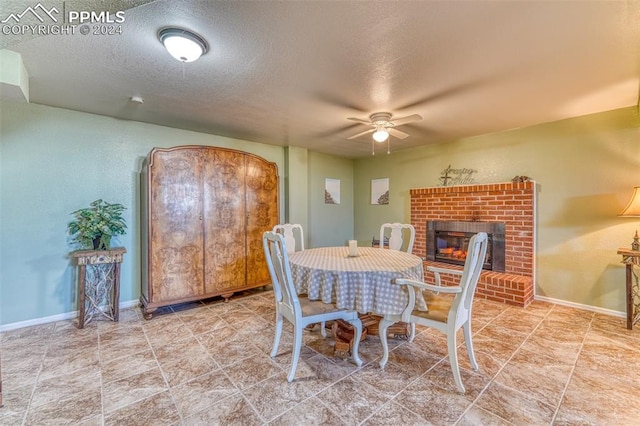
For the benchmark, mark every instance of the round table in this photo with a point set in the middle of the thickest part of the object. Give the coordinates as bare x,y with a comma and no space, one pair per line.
362,282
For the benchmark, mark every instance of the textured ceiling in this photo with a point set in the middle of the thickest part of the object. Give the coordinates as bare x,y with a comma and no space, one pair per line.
290,73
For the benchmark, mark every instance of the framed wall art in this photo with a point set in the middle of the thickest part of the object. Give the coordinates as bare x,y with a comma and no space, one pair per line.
331,191
380,191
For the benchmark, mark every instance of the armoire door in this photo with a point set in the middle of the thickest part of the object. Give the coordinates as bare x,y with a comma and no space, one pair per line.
262,207
176,231
224,221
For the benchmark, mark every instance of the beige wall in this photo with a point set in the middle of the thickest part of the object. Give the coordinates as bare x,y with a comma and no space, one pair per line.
585,169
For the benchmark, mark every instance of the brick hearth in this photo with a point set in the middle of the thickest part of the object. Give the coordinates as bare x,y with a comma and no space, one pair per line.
512,203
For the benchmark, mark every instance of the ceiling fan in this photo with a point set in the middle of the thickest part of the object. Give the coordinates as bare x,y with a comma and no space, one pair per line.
382,126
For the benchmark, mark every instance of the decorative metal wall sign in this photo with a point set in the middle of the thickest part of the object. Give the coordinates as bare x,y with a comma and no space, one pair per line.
450,177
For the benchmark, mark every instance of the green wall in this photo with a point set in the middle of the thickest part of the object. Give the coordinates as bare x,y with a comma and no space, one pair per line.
296,188
330,224
55,161
585,169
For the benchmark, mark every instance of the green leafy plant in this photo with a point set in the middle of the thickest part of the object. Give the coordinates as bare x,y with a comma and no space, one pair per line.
94,226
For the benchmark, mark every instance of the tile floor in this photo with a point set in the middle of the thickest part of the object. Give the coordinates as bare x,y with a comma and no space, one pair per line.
208,363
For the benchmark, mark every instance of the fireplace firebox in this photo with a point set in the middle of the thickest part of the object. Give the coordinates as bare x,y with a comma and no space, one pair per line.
447,242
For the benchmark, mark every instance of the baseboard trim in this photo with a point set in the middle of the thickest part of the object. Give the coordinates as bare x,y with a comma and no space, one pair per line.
54,318
132,303
581,306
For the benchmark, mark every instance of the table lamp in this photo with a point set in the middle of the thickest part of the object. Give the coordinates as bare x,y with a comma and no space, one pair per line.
633,210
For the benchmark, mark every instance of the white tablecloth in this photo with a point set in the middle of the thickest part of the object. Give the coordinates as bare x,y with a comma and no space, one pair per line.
362,283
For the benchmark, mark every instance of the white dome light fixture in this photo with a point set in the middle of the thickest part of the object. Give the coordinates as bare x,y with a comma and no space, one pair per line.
182,44
381,134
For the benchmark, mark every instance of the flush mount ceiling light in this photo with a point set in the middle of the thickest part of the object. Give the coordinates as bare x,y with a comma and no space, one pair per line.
182,44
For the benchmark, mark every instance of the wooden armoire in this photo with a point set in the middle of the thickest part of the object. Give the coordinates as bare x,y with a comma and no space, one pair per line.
204,210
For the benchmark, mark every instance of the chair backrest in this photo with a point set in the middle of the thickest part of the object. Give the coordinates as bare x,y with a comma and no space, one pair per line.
396,239
293,236
476,252
275,252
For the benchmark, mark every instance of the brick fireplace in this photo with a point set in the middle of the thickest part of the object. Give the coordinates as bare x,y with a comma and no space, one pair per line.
511,203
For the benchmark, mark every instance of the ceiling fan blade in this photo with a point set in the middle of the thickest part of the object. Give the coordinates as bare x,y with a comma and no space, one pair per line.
397,133
359,120
339,130
337,100
362,133
407,119
445,93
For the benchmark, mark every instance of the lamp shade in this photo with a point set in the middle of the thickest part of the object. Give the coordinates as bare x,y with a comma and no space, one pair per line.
380,135
633,207
183,45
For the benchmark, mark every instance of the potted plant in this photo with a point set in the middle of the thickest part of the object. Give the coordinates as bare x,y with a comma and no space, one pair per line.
94,226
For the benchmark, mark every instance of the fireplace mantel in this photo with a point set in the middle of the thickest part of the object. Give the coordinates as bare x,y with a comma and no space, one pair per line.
510,202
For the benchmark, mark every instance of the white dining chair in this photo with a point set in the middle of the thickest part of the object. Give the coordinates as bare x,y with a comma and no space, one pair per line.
444,313
293,236
396,238
294,241
299,311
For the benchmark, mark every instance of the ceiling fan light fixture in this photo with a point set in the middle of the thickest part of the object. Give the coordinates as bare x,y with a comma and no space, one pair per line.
380,135
182,44
383,127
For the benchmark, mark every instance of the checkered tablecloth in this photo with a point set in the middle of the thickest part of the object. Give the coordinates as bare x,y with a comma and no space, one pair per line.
362,283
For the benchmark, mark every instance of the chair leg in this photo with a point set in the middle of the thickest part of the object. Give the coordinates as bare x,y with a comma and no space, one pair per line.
382,332
297,344
357,324
453,360
276,340
467,340
323,330
412,332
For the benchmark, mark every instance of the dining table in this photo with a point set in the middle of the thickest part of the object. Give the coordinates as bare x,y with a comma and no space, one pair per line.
362,282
